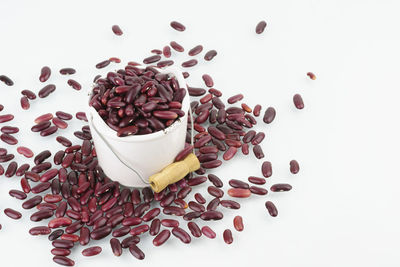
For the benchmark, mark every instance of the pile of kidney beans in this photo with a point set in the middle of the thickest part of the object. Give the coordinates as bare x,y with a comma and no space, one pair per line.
73,201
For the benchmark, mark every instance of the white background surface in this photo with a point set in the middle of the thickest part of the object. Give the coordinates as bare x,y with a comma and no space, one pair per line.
344,209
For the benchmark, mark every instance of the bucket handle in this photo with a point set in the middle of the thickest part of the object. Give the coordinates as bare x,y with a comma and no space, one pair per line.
121,158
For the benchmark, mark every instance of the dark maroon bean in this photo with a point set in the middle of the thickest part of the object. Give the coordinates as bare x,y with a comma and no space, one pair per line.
155,227
41,126
116,247
47,90
197,180
182,235
184,192
41,167
216,192
238,184
13,214
135,197
258,190
25,185
189,63
260,27
40,230
68,244
281,187
11,169
230,153
256,180
32,202
25,103
63,115
215,180
258,152
74,84
194,229
139,229
165,63
42,156
130,130
155,51
45,74
249,136
29,94
269,115
49,131
258,138
62,260
101,232
213,204
9,139
298,101
17,194
174,210
184,153
3,151
6,158
271,208
165,115
211,164
208,149
199,198
167,51
235,98
239,192
58,157
9,129
196,91
266,169
129,241
177,26
67,71
257,110
196,206
150,215
116,30
1,107
55,234
238,223
215,132
60,251
59,222
6,80
208,232
210,55
41,215
208,80
6,117
161,238
32,176
169,223
136,252
228,236
92,251
195,50
103,64
294,167
151,59
177,47
191,215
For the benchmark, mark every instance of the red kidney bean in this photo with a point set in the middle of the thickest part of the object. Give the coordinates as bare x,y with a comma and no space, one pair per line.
63,115
62,260
206,98
228,236
167,51
211,215
81,116
25,103
174,210
167,199
230,204
116,247
139,229
246,108
195,50
17,194
177,26
25,185
129,130
230,153
74,84
43,118
41,126
9,139
208,149
298,101
67,244
155,51
235,98
58,157
84,236
60,251
239,192
45,74
258,138
116,30
59,222
165,63
189,63
257,110
181,203
103,64
55,234
6,158
29,94
182,235
67,71
5,118
136,252
266,169
52,198
1,107
260,27
213,204
208,80
39,230
271,208
135,197
155,227
238,223
281,187
311,76
92,251
258,152
169,223
211,164
269,115
71,237
11,169
184,192
129,241
210,55
197,180
101,232
194,229
215,132
9,130
151,59
3,151
47,90
41,167
25,151
161,238
41,215
13,214
42,156
199,198
184,153
150,215
32,176
196,207
177,47
238,184
6,80
256,180
208,232
294,167
215,192
245,149
258,190
49,131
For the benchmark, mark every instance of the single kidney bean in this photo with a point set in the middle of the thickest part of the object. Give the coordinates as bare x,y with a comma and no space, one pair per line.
266,169
177,47
189,63
177,26
258,152
161,238
235,98
271,208
230,204
155,227
238,184
6,80
29,94
228,236
230,153
269,115
298,101
41,215
11,169
129,241
45,74
116,30
60,251
208,232
62,260
211,215
136,252
258,138
9,139
311,76
258,190
13,214
167,51
25,103
55,234
17,194
256,180
47,90
281,187
210,55
245,149
239,192
195,50
294,167
260,27
92,251
257,110
5,118
215,180
182,235
67,71
116,247
238,223
25,152
101,232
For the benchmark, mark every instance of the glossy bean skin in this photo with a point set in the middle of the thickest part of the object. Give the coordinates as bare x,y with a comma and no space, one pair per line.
294,167
271,208
269,115
261,27
208,232
266,169
161,238
281,187
238,223
298,101
45,74
177,26
228,236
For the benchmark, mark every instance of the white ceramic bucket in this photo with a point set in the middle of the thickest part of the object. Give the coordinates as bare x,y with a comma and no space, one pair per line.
131,160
